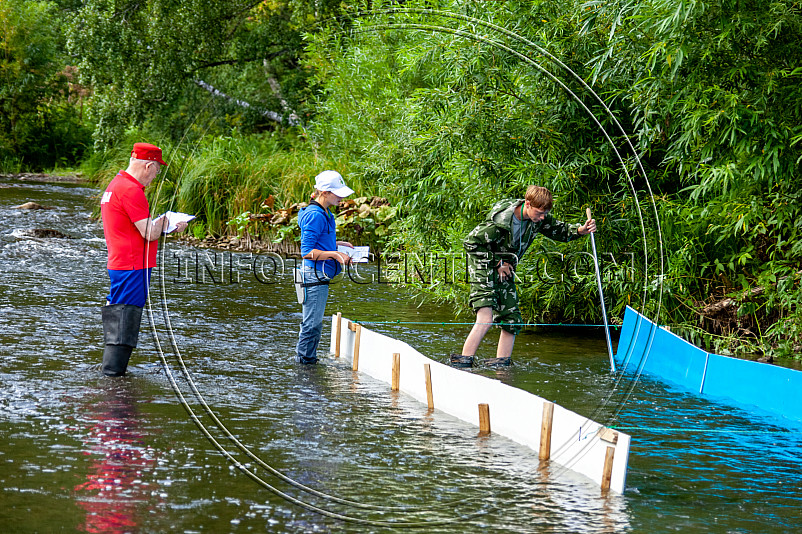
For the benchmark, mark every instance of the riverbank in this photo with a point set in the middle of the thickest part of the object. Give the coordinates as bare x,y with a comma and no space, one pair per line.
727,323
240,244
73,178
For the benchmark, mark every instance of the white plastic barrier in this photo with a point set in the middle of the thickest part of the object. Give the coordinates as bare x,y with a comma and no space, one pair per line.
574,441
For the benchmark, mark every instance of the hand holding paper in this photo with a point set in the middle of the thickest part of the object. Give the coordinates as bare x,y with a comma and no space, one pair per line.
357,254
173,218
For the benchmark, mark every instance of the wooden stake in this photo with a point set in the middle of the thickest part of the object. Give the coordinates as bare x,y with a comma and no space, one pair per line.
484,419
355,365
545,431
607,473
337,335
396,371
427,372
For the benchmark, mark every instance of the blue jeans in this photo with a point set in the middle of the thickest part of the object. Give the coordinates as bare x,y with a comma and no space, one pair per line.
312,323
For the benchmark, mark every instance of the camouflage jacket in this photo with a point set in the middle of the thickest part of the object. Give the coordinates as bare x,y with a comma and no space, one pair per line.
492,241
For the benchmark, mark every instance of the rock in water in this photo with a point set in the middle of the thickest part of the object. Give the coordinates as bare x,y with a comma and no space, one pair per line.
45,233
31,206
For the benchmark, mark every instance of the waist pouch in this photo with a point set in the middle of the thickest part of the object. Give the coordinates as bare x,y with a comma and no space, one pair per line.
300,285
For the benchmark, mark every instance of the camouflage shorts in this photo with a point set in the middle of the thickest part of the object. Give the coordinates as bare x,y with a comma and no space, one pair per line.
499,295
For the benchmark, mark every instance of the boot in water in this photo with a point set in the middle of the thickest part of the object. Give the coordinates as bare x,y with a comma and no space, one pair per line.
115,359
120,334
498,362
458,360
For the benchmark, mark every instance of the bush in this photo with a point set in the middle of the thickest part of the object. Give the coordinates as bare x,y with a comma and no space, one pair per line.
40,126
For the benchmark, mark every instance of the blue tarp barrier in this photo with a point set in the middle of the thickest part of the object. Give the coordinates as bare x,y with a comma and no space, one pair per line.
643,347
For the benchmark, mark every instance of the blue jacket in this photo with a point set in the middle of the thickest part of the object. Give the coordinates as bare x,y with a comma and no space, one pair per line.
318,230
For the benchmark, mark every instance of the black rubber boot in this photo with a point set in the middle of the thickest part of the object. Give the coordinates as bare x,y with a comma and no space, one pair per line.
115,359
458,360
498,362
120,333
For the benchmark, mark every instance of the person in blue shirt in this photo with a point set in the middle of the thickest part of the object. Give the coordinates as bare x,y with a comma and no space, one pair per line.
321,261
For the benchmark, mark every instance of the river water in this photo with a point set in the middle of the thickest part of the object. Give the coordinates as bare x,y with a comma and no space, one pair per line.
84,453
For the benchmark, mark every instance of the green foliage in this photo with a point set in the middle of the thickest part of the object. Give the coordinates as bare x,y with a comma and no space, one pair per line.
40,126
223,177
451,125
716,96
146,59
241,222
218,179
444,116
198,229
358,220
708,93
288,231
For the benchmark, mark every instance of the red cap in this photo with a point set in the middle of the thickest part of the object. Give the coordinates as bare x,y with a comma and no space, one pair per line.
148,152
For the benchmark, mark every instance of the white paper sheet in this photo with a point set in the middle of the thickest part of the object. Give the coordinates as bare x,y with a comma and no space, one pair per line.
173,218
357,254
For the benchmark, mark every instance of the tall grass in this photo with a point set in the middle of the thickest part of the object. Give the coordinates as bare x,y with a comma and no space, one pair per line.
219,178
10,165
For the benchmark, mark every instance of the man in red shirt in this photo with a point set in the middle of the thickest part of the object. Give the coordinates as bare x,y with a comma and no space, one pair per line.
132,241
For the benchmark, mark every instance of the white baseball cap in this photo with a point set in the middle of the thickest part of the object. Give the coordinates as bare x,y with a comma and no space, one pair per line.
332,181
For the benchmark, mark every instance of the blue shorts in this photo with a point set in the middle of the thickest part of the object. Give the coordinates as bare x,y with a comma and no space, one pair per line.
129,287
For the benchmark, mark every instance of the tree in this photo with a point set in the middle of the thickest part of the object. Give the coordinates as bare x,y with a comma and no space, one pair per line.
708,93
38,125
150,60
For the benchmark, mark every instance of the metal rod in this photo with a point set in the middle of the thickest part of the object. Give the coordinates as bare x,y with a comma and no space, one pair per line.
601,297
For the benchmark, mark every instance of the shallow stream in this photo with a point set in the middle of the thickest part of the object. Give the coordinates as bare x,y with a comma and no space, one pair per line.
84,453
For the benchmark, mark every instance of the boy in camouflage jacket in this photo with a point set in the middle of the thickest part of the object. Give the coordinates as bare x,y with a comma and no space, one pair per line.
494,248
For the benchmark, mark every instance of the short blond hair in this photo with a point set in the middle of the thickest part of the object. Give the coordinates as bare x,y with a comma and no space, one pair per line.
539,197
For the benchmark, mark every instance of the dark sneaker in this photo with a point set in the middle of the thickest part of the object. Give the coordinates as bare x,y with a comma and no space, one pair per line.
498,362
458,360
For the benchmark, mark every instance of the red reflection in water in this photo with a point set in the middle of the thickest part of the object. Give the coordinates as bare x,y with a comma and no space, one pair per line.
114,494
